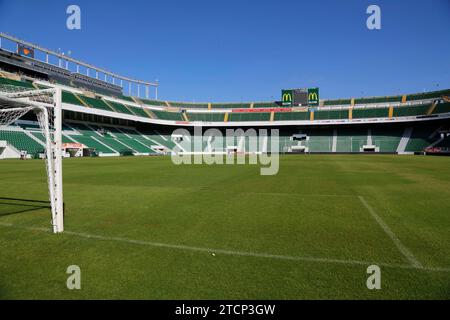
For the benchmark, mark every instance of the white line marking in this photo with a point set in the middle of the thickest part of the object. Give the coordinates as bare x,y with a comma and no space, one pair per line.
294,194
230,252
408,254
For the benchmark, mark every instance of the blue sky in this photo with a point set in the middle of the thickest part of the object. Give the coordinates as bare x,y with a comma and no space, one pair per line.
241,50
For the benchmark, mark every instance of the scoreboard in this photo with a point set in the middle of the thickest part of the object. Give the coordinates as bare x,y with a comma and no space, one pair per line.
300,97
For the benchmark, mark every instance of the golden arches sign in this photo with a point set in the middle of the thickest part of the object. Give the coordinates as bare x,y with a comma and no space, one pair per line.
287,97
313,96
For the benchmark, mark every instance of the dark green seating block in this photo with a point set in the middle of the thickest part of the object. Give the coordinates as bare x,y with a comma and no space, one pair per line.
249,116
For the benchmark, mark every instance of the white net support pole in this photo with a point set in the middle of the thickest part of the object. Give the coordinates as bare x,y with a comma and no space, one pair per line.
43,117
53,138
16,102
58,225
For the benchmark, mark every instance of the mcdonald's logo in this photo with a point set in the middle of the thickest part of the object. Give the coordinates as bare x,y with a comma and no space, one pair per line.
312,96
286,97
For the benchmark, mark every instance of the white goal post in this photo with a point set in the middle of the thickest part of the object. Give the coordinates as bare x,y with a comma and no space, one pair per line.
15,102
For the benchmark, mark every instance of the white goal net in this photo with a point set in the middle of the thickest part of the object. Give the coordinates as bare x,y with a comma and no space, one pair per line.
15,102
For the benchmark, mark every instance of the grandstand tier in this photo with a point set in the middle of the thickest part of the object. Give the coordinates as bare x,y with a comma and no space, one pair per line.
109,124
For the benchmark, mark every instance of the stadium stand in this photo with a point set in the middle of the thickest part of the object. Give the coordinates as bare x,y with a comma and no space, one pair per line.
411,110
319,140
128,140
154,103
96,103
359,113
230,105
338,102
386,139
119,107
21,141
427,95
350,140
442,108
126,98
386,124
205,117
284,116
139,112
445,143
331,114
249,116
71,98
90,138
187,105
378,100
421,137
10,82
163,115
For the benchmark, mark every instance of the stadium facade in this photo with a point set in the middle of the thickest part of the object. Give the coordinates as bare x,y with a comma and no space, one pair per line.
100,119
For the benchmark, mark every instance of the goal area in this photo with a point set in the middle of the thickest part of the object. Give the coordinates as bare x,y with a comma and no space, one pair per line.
15,102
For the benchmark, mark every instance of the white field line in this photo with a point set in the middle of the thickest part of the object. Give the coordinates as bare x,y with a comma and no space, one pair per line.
297,194
406,253
229,252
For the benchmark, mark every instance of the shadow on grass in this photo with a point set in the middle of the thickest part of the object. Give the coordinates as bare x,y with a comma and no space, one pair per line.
10,206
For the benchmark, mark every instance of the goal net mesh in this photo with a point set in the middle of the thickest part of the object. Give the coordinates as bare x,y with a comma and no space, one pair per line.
15,102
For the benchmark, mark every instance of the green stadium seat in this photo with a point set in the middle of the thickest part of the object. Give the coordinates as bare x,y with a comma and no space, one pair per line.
330,114
350,140
96,103
420,139
359,113
428,95
249,116
408,111
154,102
20,141
70,98
207,117
387,140
337,102
23,84
139,112
120,107
442,108
319,140
129,140
166,115
230,105
284,116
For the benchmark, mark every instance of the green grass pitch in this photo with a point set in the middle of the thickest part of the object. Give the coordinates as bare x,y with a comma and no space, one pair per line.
143,228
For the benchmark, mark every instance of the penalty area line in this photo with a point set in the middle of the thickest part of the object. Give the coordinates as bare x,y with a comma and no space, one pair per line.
229,252
400,246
